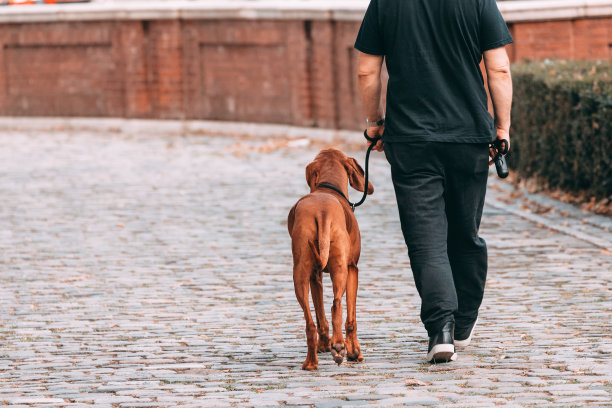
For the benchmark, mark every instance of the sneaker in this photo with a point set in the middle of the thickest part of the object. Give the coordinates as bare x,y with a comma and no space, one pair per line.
441,348
464,337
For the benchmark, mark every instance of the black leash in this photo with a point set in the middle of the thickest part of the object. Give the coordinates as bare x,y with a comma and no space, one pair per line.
373,141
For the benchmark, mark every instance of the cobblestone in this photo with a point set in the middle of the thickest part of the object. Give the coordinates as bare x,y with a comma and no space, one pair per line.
144,270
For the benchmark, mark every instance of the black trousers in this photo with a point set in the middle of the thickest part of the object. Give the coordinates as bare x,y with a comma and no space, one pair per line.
440,190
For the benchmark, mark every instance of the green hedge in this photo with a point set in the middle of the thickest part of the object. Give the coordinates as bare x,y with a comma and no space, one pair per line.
562,125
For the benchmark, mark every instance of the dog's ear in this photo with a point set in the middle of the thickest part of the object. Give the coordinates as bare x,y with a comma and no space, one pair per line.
312,174
356,175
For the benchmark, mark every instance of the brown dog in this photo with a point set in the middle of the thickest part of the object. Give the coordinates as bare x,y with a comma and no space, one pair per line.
325,238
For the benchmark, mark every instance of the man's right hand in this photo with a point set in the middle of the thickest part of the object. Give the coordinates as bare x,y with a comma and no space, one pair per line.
501,134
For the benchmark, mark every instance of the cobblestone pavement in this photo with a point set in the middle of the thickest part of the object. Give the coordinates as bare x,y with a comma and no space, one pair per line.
146,271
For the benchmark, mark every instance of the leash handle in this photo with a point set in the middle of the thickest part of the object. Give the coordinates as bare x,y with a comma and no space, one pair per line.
501,148
373,141
500,145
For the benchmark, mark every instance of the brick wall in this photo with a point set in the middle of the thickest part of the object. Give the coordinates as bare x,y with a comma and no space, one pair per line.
298,72
571,39
59,69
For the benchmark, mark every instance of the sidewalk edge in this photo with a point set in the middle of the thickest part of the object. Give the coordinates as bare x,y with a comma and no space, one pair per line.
177,127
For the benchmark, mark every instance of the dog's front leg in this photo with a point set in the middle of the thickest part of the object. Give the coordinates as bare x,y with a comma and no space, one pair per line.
352,344
338,274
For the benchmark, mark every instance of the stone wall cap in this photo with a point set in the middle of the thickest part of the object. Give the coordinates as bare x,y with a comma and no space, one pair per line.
546,10
340,10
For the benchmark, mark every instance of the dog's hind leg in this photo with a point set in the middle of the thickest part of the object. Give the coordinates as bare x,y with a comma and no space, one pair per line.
338,272
316,285
301,277
352,344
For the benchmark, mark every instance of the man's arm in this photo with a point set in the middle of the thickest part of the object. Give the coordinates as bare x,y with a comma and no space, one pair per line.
497,66
370,86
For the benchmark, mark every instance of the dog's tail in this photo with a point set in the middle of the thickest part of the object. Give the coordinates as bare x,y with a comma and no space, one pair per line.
322,252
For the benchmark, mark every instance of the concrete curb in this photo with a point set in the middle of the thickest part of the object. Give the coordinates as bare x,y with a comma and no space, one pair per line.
556,215
541,220
177,127
587,218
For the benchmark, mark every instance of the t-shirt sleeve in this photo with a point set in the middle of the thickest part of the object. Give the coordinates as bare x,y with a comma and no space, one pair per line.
493,29
370,37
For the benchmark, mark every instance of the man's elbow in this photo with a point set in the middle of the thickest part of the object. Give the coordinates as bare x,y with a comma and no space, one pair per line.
497,62
368,77
369,67
367,74
500,71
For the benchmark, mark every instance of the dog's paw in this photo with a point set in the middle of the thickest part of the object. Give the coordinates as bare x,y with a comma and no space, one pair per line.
353,350
310,365
355,355
338,352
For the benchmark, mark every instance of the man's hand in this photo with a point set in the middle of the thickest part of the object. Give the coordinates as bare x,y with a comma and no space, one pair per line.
376,131
501,134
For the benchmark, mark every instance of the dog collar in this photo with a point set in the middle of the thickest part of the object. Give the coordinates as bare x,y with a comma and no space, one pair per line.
337,190
374,141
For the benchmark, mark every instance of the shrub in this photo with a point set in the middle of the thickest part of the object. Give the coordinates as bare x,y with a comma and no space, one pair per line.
562,125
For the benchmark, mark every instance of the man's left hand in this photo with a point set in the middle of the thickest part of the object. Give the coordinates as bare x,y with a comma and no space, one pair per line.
376,131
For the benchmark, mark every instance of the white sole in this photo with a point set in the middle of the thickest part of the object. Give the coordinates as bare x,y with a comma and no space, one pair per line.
442,352
466,342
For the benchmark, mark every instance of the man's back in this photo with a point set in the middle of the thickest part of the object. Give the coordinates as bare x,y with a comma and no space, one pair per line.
433,49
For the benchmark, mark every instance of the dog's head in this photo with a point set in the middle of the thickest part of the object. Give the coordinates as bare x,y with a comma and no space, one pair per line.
333,166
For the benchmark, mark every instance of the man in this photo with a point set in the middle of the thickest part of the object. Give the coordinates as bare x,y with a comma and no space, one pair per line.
436,137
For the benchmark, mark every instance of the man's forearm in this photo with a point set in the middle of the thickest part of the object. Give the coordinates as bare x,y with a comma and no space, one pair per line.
497,65
370,87
500,88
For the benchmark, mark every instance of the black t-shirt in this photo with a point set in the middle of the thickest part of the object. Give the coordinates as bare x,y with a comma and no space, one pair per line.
433,50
